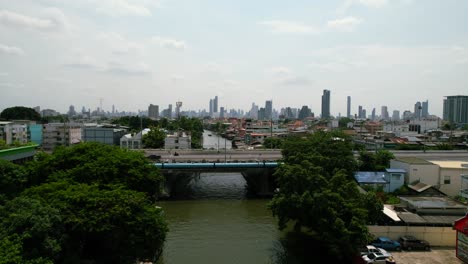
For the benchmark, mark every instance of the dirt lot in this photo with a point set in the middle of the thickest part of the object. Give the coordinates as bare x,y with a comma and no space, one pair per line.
435,256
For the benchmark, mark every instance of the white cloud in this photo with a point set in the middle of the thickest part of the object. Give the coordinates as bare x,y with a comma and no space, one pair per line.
10,50
54,19
169,43
373,3
124,7
283,26
280,71
139,68
347,24
119,44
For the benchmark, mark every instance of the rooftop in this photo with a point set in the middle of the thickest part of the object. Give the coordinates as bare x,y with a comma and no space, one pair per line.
451,164
370,177
413,160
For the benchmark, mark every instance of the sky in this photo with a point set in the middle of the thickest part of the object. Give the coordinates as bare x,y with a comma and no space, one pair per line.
132,53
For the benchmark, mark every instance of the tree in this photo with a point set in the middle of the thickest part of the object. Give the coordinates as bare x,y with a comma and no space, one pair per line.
154,138
13,180
273,143
317,192
378,161
81,223
332,150
20,112
97,163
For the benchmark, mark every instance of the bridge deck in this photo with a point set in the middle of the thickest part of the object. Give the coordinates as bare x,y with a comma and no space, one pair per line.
213,165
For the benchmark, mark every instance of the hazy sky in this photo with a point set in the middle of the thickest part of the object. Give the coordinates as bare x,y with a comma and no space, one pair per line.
54,53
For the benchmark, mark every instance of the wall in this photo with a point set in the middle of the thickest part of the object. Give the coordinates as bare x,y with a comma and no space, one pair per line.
455,185
426,173
436,236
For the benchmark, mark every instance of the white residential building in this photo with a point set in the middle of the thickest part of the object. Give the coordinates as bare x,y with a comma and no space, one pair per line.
60,134
131,141
179,140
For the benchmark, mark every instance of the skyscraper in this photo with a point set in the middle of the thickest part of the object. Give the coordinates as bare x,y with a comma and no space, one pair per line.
215,104
417,110
456,109
360,112
348,109
396,115
211,107
221,112
373,114
153,111
384,113
425,109
326,104
269,109
169,111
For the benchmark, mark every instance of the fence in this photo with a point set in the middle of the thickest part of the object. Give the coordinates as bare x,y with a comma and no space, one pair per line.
436,236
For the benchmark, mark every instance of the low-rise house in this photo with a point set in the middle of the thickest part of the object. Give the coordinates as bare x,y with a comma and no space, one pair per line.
105,134
133,141
450,175
390,180
179,140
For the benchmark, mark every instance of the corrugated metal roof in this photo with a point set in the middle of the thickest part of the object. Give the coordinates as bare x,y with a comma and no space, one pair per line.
396,170
413,160
370,177
451,164
411,218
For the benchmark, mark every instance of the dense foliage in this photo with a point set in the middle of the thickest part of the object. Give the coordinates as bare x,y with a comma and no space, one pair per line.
20,113
89,203
378,161
273,143
154,138
318,195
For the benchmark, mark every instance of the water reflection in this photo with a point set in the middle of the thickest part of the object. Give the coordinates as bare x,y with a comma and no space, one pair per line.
219,225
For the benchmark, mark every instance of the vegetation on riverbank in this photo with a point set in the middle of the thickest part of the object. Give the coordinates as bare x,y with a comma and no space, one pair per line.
89,203
318,195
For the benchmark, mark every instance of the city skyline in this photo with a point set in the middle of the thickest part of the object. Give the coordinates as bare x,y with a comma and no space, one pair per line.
132,54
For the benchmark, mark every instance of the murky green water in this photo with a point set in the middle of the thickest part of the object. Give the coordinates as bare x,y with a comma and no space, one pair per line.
219,225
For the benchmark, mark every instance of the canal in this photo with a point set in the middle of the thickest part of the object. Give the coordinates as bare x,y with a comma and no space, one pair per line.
216,222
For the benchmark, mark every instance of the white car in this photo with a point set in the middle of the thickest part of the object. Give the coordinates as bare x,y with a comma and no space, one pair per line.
372,249
377,258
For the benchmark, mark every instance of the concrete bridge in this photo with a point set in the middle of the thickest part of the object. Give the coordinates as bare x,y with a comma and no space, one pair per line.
258,175
229,155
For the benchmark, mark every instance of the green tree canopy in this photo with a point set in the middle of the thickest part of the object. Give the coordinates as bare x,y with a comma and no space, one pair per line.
13,180
379,161
80,223
20,113
317,192
154,138
97,163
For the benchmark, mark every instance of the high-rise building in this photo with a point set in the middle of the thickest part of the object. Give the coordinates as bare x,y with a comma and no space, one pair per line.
425,109
211,107
304,112
456,109
373,114
215,104
326,104
417,110
261,114
169,111
153,111
268,109
360,112
221,112
177,109
396,115
364,114
348,108
384,113
254,111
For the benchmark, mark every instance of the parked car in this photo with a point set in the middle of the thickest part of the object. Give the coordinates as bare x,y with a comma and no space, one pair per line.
371,249
386,243
410,242
378,258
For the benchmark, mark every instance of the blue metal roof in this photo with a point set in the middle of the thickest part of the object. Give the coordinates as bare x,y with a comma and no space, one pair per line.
396,170
370,177
216,165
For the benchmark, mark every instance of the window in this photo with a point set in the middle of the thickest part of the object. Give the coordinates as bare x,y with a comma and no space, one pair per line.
446,179
395,177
